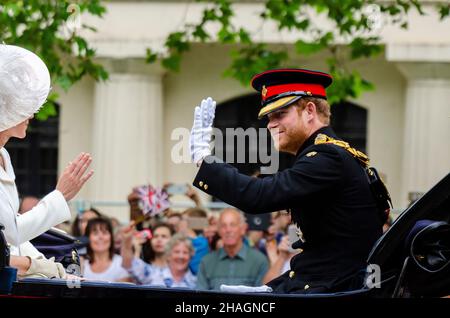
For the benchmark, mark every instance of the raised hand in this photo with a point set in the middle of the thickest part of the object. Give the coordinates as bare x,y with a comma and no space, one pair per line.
201,132
127,234
126,250
74,176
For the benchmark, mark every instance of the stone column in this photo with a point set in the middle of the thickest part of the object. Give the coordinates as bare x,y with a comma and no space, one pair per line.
426,140
426,155
127,132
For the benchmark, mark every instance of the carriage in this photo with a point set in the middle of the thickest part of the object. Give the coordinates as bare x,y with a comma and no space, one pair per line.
410,260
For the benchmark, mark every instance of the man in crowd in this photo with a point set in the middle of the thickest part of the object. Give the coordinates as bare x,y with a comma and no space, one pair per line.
235,263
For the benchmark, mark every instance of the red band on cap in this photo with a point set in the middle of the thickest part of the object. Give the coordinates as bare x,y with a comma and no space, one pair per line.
315,89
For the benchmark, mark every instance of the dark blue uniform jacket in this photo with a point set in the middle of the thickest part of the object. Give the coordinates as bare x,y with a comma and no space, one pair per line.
328,195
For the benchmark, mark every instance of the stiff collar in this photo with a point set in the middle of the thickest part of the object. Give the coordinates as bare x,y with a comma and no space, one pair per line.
327,130
242,254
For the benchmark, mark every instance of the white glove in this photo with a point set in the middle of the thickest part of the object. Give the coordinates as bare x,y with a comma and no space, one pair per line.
201,132
42,267
245,289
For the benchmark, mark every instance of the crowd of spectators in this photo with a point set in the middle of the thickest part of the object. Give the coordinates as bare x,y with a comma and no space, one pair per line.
195,248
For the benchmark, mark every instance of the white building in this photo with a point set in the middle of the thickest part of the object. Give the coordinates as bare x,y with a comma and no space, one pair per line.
127,122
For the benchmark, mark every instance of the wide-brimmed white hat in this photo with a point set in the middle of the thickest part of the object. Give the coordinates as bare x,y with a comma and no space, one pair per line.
24,85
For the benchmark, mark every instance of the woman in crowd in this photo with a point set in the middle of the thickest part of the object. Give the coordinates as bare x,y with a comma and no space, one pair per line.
192,225
178,254
79,228
24,87
82,219
174,219
101,262
153,250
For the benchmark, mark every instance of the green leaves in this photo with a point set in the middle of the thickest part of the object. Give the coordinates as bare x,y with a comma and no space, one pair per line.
306,48
178,41
95,7
151,56
288,14
244,36
444,11
346,85
353,20
49,108
365,47
172,62
64,82
253,59
41,26
200,33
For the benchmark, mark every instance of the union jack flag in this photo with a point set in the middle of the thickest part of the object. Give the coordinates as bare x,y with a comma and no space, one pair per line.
152,200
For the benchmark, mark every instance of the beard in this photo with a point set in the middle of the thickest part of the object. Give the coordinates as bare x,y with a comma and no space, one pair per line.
289,140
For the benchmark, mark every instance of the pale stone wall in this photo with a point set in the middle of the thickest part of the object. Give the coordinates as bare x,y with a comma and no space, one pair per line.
138,94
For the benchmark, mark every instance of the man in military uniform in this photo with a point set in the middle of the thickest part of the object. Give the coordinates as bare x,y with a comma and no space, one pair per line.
326,190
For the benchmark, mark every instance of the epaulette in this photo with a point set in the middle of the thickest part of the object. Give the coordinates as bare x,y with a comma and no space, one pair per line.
324,139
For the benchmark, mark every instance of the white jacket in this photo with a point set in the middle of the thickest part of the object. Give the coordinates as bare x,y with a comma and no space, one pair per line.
19,229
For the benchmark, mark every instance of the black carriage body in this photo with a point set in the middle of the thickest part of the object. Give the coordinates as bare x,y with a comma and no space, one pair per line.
389,254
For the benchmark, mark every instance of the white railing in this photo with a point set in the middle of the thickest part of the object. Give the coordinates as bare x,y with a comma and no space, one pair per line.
81,205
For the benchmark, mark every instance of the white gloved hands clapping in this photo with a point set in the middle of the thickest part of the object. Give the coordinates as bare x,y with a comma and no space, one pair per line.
201,133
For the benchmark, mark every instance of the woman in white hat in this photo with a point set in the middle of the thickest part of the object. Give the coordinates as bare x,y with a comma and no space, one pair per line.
24,87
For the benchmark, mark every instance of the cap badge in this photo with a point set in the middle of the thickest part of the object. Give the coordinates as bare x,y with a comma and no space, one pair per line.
311,154
264,91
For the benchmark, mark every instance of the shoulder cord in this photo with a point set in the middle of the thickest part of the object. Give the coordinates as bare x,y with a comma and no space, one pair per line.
362,157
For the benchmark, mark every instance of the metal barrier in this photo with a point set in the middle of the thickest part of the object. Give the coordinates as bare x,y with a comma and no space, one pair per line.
81,205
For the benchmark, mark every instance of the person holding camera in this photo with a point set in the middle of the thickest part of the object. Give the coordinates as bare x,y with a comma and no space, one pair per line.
281,262
145,266
177,255
153,250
